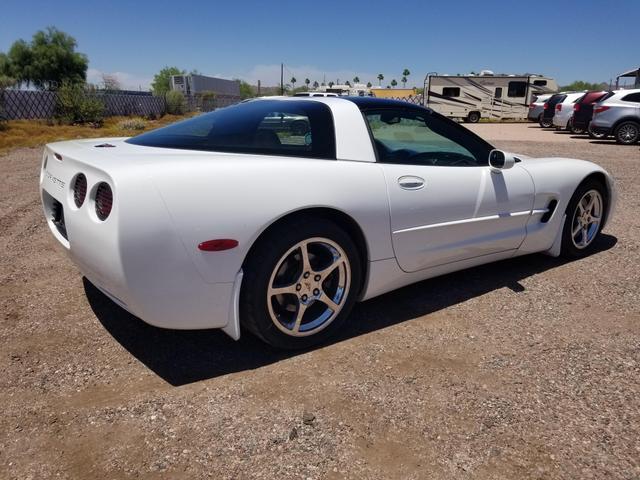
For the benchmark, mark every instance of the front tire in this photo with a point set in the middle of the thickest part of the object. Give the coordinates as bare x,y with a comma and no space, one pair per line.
585,216
300,284
473,117
627,133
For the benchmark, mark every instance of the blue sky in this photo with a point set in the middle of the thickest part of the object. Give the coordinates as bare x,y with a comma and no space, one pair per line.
339,39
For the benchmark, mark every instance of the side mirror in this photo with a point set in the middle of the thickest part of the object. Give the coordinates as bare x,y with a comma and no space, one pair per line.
499,160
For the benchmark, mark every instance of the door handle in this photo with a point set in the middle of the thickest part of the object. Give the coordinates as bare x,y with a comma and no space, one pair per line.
410,182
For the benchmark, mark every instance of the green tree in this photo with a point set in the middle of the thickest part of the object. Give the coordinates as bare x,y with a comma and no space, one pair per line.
405,74
46,62
246,90
369,85
331,84
293,82
394,83
580,85
347,83
316,84
380,78
162,80
307,82
356,79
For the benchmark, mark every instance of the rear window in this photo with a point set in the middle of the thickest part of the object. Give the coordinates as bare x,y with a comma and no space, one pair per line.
540,83
301,128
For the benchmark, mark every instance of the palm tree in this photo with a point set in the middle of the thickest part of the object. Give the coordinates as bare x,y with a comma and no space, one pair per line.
404,82
307,82
316,84
347,83
368,84
380,78
394,83
293,82
405,74
356,79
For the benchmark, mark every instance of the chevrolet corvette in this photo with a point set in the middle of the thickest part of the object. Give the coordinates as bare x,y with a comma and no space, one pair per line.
276,215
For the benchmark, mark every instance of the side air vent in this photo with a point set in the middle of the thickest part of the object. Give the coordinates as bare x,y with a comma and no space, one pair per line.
550,209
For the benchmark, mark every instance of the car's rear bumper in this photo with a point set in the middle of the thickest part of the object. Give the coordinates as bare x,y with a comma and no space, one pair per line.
561,121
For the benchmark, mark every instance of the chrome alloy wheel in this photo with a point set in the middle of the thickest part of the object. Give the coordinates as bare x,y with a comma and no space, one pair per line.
586,219
308,287
628,133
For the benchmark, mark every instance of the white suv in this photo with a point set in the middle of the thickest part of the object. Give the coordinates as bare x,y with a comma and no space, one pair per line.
564,111
618,115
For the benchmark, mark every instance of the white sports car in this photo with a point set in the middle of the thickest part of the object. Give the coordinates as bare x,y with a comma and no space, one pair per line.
222,221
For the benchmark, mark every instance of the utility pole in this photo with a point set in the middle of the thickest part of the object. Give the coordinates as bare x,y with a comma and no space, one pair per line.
258,87
282,79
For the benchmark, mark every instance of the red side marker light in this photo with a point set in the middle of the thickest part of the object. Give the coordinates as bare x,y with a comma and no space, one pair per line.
218,245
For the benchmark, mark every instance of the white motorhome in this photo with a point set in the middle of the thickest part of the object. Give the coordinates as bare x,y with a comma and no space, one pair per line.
472,97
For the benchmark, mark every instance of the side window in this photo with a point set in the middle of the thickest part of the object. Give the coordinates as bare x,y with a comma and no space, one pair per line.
632,97
498,92
451,91
517,89
417,138
540,83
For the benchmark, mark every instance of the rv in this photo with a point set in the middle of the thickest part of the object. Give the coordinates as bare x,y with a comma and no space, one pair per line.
472,97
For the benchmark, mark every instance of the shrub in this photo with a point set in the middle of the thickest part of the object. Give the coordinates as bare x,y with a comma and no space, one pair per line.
75,106
175,102
132,124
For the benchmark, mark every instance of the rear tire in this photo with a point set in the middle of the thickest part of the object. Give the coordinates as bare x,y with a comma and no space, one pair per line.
586,213
595,135
300,283
627,133
473,117
576,130
545,122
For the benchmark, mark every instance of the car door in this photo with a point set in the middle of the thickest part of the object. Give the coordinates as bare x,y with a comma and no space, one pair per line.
446,203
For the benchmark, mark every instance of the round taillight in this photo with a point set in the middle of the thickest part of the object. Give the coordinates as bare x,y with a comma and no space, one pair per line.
80,190
104,201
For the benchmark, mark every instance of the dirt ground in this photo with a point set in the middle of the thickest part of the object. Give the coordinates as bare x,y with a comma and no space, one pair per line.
528,368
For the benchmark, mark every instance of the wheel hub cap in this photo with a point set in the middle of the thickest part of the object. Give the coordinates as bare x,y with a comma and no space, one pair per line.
586,219
308,287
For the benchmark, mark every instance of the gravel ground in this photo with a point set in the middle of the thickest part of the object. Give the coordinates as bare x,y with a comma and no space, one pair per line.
528,368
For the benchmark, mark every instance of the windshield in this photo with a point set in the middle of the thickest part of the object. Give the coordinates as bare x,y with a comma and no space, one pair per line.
276,127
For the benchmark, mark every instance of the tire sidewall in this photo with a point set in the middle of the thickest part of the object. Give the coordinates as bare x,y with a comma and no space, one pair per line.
257,275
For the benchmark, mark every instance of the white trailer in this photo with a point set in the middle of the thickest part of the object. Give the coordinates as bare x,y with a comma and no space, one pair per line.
472,97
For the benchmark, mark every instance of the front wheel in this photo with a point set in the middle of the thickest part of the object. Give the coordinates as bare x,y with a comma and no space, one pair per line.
585,217
473,117
300,284
627,133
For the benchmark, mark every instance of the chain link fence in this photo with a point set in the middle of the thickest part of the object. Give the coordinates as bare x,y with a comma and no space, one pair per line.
33,104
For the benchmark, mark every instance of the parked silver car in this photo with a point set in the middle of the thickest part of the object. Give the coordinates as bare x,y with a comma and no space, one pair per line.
618,115
536,108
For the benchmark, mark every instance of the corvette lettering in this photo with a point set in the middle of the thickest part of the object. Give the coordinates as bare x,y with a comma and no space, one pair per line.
55,180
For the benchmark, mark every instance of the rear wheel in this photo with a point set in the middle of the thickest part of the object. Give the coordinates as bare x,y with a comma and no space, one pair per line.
300,284
545,122
473,117
595,135
627,133
585,216
576,129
